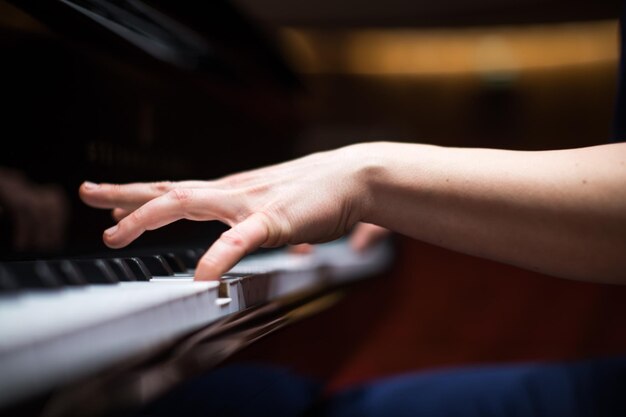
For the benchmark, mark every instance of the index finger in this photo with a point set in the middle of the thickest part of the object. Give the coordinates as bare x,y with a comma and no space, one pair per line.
127,196
232,245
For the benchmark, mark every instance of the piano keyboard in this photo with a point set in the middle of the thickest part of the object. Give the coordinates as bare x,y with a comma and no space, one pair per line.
64,320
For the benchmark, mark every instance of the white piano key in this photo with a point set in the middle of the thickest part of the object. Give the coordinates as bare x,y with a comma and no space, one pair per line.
50,313
85,342
48,338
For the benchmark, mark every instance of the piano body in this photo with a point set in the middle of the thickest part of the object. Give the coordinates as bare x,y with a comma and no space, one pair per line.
122,91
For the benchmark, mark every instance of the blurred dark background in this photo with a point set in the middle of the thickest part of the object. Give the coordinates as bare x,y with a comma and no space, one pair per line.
122,91
521,75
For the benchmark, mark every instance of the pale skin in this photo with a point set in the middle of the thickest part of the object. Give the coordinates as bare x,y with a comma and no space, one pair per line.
560,212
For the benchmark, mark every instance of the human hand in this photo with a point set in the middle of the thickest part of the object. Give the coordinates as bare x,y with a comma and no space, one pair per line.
312,199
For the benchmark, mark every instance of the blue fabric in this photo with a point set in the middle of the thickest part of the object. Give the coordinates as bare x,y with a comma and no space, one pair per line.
250,390
593,388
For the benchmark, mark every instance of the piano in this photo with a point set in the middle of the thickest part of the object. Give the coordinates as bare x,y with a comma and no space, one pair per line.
55,330
130,90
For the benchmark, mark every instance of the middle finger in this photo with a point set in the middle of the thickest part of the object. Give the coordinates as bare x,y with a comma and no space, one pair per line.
189,203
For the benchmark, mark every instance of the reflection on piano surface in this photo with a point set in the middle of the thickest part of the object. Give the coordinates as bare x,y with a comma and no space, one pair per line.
122,91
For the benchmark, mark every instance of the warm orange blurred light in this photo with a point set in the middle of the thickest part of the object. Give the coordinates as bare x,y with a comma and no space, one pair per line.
474,51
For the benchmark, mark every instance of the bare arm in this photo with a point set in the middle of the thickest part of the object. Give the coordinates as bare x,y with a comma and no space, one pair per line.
558,212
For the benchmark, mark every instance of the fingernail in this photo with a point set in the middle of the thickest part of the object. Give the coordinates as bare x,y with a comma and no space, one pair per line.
88,185
111,231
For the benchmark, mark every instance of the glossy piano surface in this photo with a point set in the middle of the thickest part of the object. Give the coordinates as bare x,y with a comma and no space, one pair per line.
121,91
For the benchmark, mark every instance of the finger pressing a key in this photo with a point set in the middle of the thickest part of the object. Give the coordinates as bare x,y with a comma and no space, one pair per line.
233,245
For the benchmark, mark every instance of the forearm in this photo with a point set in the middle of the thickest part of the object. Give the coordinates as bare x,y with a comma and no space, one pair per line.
557,212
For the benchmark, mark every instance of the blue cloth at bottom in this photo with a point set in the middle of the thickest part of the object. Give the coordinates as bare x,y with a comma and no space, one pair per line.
585,388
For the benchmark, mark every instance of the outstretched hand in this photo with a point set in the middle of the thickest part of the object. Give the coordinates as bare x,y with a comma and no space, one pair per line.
308,200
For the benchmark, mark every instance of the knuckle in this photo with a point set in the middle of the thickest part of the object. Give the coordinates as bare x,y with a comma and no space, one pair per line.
257,189
277,227
208,262
138,216
181,195
116,189
161,186
267,218
233,238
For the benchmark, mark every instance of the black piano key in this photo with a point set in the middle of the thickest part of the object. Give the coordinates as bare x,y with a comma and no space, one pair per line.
156,265
68,272
189,257
231,275
138,268
47,275
121,269
174,262
96,271
7,281
35,274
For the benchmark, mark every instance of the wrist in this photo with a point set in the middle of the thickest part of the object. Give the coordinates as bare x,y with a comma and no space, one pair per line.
392,174
370,163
